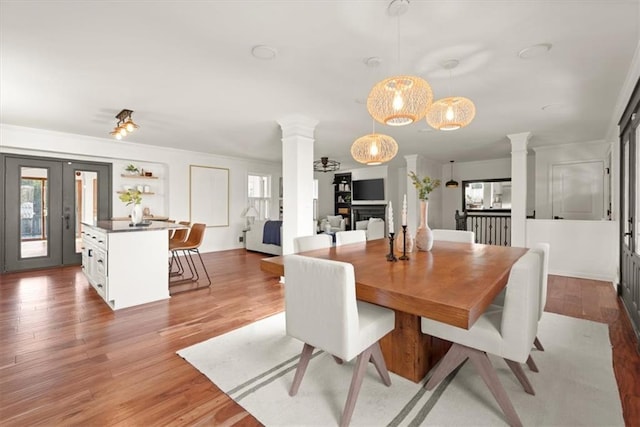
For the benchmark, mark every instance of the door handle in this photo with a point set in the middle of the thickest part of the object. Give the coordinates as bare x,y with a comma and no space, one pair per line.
67,217
90,253
627,234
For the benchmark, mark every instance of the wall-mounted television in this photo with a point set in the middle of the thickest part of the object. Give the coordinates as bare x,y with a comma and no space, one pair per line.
368,189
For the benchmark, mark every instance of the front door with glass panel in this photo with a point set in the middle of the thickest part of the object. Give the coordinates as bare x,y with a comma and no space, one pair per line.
629,288
45,202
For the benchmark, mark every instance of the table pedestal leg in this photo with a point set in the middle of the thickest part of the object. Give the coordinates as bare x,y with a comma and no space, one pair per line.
408,352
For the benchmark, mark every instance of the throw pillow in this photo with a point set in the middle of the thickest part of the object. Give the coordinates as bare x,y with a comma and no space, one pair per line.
362,225
375,220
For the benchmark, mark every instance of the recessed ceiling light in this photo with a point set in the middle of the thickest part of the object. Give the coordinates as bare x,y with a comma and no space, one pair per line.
535,50
556,106
372,61
264,52
398,7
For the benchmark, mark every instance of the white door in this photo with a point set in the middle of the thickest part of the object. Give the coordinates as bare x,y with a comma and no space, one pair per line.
578,190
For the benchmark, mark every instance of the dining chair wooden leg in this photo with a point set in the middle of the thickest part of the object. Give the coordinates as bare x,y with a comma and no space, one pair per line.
378,361
305,356
356,382
516,368
538,344
531,364
482,364
451,360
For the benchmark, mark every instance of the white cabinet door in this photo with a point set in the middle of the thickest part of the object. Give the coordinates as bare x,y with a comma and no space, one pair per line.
578,190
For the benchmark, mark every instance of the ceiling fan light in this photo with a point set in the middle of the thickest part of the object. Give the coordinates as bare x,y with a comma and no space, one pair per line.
374,149
451,113
325,165
399,100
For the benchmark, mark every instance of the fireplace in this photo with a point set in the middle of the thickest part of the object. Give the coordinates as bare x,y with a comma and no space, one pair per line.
364,212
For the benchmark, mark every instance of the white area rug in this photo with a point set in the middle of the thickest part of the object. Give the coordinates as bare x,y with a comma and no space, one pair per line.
255,365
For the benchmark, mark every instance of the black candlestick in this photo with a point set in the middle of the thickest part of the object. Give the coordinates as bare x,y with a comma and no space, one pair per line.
391,256
404,256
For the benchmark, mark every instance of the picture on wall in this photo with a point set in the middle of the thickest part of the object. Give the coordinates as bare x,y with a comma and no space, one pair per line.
209,195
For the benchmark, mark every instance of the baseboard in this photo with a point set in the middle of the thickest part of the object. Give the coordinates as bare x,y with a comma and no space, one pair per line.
583,275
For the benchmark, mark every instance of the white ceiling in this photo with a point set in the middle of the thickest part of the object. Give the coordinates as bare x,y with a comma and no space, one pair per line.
186,69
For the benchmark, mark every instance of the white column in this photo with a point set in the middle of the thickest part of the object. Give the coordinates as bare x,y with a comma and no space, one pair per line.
297,178
519,188
412,195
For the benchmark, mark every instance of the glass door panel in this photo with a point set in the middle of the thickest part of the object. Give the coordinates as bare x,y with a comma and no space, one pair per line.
33,212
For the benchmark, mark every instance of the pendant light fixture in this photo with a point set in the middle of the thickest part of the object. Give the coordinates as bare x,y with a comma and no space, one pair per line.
451,183
374,149
453,112
403,99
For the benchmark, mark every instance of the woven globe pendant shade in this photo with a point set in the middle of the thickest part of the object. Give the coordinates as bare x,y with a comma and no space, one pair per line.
374,149
399,100
451,113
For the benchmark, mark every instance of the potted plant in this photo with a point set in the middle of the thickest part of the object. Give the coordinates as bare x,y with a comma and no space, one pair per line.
425,185
132,169
133,197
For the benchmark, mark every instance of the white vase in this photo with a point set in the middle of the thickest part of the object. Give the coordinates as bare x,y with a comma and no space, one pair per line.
424,236
136,214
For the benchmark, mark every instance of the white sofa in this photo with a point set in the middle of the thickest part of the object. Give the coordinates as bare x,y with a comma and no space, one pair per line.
373,228
253,240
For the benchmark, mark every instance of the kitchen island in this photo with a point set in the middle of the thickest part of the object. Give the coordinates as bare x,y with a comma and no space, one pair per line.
127,265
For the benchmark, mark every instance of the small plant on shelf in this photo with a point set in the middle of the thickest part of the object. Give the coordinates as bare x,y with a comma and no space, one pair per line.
132,169
131,197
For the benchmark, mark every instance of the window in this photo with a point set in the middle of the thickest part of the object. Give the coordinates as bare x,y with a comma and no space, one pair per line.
259,194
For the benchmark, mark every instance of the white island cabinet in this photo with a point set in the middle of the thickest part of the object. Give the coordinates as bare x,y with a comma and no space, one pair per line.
127,265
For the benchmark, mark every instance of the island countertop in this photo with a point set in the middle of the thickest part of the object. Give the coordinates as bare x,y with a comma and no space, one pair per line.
124,226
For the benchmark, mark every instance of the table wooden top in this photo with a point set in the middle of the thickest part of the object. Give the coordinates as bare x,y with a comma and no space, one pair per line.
453,283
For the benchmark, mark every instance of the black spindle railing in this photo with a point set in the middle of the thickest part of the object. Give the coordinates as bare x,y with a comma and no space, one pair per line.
490,229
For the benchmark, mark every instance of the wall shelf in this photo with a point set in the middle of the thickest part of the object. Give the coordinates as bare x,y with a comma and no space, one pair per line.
342,197
124,175
142,193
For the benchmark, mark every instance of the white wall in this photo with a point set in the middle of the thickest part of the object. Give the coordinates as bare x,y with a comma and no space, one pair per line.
175,163
584,249
548,156
325,193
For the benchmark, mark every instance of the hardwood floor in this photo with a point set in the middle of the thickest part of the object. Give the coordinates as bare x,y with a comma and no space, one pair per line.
66,358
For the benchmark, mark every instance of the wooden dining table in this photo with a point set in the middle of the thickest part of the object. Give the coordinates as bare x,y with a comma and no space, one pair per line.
453,283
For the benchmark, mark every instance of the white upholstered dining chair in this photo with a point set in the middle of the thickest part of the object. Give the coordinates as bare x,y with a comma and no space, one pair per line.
506,331
322,311
350,236
454,235
541,249
309,243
